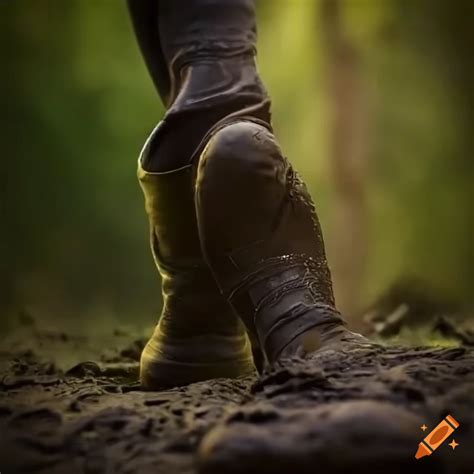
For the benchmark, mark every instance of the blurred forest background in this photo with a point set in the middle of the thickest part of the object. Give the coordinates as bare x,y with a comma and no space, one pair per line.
372,101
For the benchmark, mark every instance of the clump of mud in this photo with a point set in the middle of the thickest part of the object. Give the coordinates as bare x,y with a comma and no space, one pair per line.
354,410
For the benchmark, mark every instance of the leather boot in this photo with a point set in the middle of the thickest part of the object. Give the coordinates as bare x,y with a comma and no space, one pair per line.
198,337
261,237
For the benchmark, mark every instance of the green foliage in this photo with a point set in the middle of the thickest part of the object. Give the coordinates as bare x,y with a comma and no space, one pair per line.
78,104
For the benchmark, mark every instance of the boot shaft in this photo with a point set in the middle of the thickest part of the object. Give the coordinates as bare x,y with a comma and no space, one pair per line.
261,236
192,302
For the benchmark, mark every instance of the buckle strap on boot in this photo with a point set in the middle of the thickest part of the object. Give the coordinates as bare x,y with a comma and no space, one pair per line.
282,303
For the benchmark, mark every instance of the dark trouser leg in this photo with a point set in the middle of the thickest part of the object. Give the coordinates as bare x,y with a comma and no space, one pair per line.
200,54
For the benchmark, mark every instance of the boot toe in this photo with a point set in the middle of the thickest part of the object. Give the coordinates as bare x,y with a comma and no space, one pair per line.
167,365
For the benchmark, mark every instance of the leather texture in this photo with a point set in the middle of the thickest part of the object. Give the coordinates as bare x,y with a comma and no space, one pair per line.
198,336
261,236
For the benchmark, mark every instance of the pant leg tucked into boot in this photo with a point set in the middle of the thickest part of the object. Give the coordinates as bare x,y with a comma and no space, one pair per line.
201,56
257,226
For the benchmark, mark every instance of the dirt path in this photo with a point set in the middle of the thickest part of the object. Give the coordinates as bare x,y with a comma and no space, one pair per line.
354,411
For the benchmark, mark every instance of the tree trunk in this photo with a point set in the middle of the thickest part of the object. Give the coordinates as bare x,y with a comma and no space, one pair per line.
347,238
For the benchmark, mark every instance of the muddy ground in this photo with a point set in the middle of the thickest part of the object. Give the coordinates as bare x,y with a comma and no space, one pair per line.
71,404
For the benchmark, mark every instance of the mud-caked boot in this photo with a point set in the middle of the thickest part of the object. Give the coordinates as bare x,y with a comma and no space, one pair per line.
197,337
261,237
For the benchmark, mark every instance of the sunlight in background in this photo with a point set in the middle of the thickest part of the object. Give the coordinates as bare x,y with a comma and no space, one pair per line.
80,104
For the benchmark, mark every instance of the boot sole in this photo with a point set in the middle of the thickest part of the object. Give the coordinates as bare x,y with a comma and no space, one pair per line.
164,374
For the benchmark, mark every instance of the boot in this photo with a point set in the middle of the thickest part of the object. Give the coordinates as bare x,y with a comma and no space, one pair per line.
198,337
261,237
